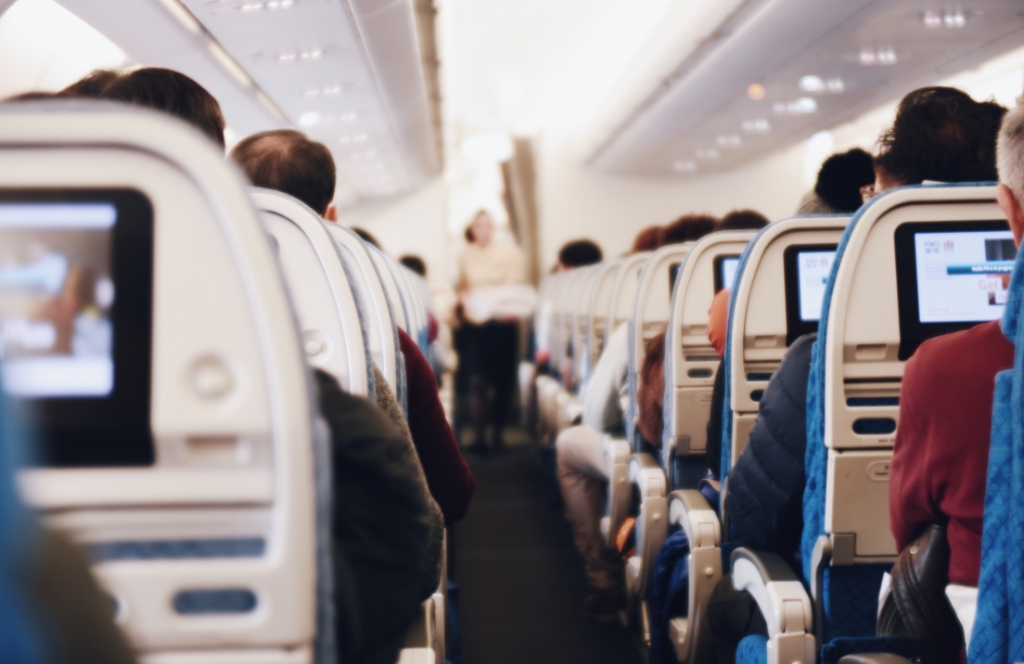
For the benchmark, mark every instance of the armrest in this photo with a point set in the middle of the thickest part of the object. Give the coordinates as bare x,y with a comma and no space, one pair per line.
691,511
415,656
783,602
874,658
616,450
648,475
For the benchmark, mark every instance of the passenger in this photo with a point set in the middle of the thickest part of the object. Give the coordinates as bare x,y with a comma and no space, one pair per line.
648,239
286,160
172,92
840,180
688,228
414,263
578,253
91,86
939,134
386,525
582,472
364,234
742,220
940,459
490,349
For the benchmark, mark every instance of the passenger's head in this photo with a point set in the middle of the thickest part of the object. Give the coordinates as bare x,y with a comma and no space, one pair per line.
742,220
578,253
1011,171
841,177
939,134
366,236
91,86
481,230
648,239
286,160
172,92
688,228
414,263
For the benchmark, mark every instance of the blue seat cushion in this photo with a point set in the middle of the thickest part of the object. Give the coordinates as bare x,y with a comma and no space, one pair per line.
753,649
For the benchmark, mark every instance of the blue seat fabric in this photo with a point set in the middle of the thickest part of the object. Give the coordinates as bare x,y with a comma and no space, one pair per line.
669,594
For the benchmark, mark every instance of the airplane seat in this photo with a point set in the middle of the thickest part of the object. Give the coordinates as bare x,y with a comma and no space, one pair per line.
649,483
889,289
621,303
572,411
596,333
567,405
333,338
187,464
690,363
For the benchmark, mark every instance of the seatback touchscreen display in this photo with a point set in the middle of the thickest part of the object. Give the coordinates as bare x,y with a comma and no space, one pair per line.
725,271
807,269
951,276
75,316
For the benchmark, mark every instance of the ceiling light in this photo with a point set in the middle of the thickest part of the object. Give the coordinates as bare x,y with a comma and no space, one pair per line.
309,119
684,166
801,106
286,56
730,141
884,57
709,153
757,126
251,7
811,84
954,19
332,91
347,117
835,85
312,93
755,91
931,20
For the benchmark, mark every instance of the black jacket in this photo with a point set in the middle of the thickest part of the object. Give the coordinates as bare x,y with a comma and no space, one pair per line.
380,530
766,486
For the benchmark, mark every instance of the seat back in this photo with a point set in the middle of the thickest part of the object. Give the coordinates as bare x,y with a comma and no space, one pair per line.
621,303
765,317
400,309
588,282
568,292
690,360
906,269
597,315
381,328
332,337
652,302
177,440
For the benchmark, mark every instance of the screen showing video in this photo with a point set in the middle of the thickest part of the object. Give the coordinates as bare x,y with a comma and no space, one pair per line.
963,276
813,269
56,294
727,267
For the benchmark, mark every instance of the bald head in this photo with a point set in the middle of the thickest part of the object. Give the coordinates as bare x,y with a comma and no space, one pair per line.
286,160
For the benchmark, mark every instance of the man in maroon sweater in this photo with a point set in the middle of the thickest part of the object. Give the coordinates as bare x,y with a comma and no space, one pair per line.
940,459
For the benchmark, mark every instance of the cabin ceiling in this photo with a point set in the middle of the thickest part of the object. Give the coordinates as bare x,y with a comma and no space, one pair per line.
357,75
778,71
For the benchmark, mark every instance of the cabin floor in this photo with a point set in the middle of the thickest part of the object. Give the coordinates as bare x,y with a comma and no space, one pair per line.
520,578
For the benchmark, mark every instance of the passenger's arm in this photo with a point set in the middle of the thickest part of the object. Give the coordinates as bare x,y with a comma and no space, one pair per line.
448,475
911,507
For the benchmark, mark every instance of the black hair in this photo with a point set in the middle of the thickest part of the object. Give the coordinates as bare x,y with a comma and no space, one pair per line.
414,263
366,237
840,178
940,134
742,220
579,253
286,160
172,92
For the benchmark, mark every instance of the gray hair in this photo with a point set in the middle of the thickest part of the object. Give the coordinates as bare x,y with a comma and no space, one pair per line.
1010,151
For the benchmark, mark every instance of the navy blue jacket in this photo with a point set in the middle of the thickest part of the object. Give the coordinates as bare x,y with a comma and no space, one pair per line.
766,486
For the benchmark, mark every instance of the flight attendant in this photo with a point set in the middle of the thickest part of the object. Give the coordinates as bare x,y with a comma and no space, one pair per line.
490,347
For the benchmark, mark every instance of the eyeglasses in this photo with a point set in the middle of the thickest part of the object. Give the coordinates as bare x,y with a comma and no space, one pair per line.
867,192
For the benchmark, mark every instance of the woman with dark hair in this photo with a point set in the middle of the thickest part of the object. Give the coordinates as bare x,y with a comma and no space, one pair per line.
489,347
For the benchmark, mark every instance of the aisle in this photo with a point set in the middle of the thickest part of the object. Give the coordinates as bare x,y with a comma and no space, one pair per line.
521,579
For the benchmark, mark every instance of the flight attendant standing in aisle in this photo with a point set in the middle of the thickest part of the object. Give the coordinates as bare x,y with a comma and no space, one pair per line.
490,338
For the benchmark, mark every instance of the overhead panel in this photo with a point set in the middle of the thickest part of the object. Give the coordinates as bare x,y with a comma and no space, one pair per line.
781,70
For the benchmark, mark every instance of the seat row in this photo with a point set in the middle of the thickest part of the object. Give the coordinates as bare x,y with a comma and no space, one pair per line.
198,475
868,287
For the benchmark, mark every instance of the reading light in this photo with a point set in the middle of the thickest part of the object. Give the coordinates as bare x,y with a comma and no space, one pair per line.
684,166
954,19
883,57
801,106
811,84
755,91
309,119
758,126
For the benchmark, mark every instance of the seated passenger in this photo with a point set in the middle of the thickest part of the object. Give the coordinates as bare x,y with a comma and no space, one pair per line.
582,472
840,179
939,134
940,458
578,253
287,161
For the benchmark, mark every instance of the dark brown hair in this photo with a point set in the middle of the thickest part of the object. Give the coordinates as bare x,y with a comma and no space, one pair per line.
286,160
742,220
91,86
687,228
172,92
648,239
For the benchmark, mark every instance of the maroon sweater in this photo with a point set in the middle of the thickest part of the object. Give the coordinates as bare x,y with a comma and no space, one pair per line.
940,460
448,475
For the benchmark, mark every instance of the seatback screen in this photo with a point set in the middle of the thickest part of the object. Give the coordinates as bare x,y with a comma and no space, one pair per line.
951,276
807,269
75,316
725,271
